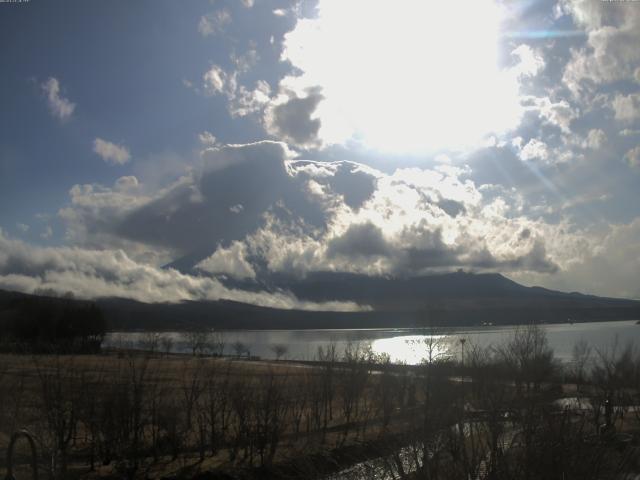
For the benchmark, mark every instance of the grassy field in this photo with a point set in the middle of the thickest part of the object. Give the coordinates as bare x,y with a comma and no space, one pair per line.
168,414
510,411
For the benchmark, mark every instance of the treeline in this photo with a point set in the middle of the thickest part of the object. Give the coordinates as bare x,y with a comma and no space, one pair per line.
48,323
506,412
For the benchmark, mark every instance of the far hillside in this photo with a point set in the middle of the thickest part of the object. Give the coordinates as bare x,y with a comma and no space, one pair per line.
455,299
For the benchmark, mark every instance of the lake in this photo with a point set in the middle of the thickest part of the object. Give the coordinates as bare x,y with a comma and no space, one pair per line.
401,344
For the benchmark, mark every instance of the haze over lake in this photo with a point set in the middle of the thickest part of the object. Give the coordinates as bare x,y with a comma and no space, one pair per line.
403,344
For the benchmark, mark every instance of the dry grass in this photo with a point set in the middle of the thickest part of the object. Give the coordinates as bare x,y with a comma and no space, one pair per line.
169,378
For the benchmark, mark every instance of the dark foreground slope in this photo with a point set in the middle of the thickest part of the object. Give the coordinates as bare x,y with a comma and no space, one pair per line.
449,299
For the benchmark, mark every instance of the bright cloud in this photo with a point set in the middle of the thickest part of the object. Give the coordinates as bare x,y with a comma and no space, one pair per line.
316,216
216,80
611,53
229,261
633,157
112,273
534,149
60,107
110,152
627,107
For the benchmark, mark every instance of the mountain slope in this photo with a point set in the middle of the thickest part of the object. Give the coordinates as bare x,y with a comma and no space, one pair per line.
448,299
450,290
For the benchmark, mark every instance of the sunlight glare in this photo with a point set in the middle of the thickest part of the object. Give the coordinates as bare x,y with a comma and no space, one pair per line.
411,349
406,76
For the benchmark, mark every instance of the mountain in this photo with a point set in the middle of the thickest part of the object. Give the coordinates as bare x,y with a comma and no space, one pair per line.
448,299
450,290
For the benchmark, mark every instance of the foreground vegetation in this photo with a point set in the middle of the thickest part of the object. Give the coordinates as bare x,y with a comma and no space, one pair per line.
505,412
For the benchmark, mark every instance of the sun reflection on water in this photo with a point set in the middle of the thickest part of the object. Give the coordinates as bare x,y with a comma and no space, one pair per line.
413,349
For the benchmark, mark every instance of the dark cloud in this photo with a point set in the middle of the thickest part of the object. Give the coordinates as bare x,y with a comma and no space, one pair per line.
292,120
201,212
365,240
355,185
535,260
348,179
451,207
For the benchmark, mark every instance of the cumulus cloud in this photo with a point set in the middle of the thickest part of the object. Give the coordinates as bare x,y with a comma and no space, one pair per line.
110,152
246,61
633,157
60,107
241,101
531,62
291,118
360,240
534,149
286,115
207,139
291,216
627,107
216,80
187,215
611,53
607,266
214,22
559,114
596,138
94,211
245,102
47,233
229,261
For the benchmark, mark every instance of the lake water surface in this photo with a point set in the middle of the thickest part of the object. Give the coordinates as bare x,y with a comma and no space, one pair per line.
403,344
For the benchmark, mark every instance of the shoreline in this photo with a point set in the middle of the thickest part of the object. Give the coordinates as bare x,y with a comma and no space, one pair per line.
444,327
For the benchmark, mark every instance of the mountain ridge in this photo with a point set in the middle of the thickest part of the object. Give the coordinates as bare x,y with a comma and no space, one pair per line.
452,299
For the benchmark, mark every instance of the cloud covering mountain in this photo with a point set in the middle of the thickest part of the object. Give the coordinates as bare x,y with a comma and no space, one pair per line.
503,139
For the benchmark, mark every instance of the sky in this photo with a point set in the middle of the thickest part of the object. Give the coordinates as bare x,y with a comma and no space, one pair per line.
163,151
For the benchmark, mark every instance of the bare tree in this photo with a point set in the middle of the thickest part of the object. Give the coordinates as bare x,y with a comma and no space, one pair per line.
216,343
240,348
270,415
241,421
298,398
580,359
613,375
387,387
149,342
279,350
328,357
528,353
191,389
166,343
60,405
217,404
196,340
